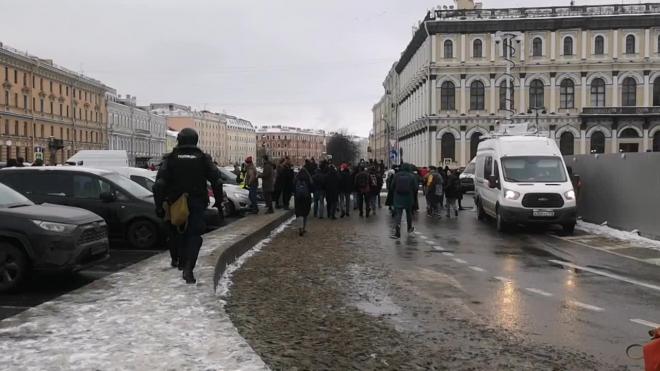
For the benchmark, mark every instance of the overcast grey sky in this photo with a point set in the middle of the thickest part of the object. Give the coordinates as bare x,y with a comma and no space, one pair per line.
304,63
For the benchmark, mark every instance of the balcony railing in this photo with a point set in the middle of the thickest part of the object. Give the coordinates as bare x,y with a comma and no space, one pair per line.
620,110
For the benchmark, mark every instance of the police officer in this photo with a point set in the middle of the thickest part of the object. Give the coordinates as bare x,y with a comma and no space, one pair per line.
186,170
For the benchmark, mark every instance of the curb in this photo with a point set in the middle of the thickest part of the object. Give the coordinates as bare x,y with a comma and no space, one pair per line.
225,255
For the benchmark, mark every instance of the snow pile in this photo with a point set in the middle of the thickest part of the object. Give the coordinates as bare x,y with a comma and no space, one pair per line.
605,231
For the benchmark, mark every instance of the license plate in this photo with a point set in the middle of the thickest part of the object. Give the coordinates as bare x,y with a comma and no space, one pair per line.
97,250
543,213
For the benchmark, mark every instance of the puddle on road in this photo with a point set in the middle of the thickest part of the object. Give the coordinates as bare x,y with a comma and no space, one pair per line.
372,293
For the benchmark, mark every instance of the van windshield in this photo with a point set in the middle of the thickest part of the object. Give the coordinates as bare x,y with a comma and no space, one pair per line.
533,169
128,185
469,169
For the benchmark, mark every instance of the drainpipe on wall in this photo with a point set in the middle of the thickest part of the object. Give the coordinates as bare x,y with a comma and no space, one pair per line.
428,81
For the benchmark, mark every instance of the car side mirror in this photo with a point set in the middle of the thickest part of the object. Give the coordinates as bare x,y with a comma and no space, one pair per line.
108,196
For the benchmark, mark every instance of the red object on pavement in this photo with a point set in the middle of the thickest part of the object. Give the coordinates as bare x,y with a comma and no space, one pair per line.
652,352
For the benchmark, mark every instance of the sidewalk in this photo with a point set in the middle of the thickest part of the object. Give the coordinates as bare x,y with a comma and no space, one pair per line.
142,318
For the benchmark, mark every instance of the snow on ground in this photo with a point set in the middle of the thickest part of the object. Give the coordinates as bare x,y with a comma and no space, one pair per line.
605,231
142,318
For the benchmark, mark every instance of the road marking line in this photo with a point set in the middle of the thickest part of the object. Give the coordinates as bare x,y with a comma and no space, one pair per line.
447,253
605,274
423,237
477,269
438,248
430,242
457,260
538,291
645,323
585,306
600,249
14,307
503,279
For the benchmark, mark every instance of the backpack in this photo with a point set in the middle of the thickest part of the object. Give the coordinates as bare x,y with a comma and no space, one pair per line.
302,189
373,181
402,184
362,180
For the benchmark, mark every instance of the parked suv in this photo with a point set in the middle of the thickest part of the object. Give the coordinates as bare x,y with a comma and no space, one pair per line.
127,208
46,237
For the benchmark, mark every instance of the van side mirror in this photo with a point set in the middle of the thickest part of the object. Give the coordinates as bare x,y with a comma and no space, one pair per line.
108,196
492,181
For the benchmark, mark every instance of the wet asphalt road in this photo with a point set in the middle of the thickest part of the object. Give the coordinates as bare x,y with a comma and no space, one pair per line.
40,288
531,282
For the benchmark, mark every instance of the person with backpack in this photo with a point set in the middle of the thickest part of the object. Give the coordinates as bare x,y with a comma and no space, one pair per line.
362,187
404,190
437,190
332,191
319,190
452,192
374,189
345,190
302,199
288,176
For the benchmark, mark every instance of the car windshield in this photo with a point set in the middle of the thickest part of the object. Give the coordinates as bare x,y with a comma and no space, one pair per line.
11,198
128,185
533,169
469,169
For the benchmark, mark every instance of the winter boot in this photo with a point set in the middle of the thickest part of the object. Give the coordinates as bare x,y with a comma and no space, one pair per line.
189,277
397,232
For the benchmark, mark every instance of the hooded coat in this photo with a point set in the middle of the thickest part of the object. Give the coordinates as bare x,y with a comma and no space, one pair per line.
404,200
303,202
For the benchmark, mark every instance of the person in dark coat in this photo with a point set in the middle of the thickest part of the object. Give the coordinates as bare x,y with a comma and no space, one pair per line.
375,185
362,187
303,198
267,183
332,191
185,171
345,190
404,191
277,191
354,173
452,192
287,183
319,190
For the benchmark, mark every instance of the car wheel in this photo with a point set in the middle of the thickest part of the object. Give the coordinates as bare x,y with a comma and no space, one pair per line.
230,209
569,228
502,226
13,266
142,234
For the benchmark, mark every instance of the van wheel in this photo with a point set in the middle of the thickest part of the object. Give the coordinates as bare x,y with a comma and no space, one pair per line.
502,225
569,228
13,267
142,234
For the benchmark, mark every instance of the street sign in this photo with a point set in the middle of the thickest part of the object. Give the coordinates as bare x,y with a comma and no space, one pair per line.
393,155
39,156
447,161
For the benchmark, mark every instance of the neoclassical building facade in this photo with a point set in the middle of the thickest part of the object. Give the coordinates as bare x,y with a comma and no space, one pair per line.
241,140
588,76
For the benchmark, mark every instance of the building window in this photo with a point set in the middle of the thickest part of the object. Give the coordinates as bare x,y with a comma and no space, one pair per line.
474,143
656,141
15,76
477,49
567,143
25,128
51,86
537,47
51,109
598,93
630,44
449,49
25,102
448,146
568,45
599,45
503,90
41,105
6,97
447,96
598,142
656,92
566,94
477,94
6,73
629,92
536,94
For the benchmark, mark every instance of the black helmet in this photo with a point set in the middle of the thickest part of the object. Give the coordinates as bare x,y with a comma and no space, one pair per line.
187,137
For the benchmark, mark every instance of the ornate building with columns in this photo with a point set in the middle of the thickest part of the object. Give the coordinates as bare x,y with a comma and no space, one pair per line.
588,76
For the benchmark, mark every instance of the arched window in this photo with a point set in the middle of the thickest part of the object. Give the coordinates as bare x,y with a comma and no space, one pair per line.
629,92
449,49
630,44
566,94
477,96
597,142
656,141
598,93
505,47
599,45
448,146
568,45
536,94
447,96
537,47
476,49
658,43
474,143
629,133
656,92
503,89
567,143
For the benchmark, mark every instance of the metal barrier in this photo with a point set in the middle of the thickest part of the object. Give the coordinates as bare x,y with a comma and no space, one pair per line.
621,189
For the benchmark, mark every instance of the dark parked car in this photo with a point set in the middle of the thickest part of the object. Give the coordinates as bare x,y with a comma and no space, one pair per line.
127,208
46,238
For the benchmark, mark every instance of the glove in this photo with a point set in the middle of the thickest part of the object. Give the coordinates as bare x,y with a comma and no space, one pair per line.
160,212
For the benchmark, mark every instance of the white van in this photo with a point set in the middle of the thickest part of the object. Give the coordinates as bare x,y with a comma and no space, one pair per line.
99,158
523,180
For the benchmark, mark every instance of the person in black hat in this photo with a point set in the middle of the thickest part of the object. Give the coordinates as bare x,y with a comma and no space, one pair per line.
185,171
